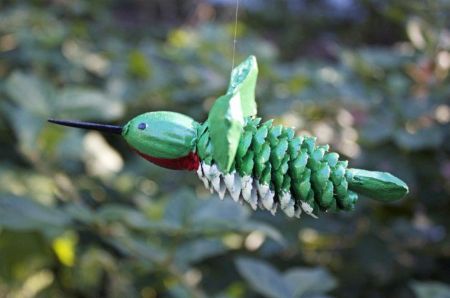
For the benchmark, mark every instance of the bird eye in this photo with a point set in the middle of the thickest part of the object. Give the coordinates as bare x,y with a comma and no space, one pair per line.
142,126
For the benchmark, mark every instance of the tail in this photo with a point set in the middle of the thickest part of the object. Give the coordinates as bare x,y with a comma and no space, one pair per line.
380,186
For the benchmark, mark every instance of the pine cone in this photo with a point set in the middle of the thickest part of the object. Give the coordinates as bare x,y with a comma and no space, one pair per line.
274,168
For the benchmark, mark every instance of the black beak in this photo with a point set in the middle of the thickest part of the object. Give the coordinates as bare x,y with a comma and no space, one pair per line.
88,125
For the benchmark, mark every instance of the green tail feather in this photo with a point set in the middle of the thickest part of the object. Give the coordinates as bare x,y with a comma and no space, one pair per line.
380,186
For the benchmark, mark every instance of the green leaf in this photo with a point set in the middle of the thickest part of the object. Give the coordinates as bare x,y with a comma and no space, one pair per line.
226,125
79,212
264,278
21,254
198,250
85,104
17,213
214,215
130,217
310,281
430,289
26,125
30,93
136,247
243,80
180,208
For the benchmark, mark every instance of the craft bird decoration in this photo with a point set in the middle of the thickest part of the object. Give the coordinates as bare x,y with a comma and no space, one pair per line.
265,165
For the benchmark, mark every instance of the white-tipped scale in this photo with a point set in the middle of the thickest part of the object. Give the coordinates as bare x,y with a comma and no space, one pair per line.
219,186
254,199
233,184
250,190
308,209
285,199
247,186
274,208
202,177
262,189
289,209
267,200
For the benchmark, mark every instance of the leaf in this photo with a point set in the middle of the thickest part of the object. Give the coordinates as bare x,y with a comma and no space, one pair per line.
307,281
30,93
137,247
267,230
17,213
85,104
26,126
127,215
225,125
218,215
179,209
263,278
22,253
243,80
80,212
198,250
430,289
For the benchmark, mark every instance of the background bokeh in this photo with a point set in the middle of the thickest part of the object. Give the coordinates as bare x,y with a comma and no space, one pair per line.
83,216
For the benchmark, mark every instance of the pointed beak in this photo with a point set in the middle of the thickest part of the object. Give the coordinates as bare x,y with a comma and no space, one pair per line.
88,125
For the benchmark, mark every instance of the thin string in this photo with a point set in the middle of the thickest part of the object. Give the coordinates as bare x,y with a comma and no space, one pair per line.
235,33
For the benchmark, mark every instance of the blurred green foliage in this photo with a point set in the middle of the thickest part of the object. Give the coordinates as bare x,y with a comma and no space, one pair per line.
82,216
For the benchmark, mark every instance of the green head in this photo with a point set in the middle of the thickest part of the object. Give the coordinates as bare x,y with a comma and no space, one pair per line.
161,134
165,138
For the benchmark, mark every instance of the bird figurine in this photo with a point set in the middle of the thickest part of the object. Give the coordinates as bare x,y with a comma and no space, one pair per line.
265,165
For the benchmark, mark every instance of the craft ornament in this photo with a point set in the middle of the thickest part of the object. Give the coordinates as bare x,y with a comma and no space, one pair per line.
267,166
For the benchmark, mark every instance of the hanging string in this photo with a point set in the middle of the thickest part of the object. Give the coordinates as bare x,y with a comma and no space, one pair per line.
235,33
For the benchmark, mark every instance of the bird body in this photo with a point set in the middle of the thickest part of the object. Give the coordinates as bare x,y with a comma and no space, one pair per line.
268,166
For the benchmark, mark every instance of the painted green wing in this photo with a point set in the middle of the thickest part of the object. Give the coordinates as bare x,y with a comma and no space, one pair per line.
226,118
243,80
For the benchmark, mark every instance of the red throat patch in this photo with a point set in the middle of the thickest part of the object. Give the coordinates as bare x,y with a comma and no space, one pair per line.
189,162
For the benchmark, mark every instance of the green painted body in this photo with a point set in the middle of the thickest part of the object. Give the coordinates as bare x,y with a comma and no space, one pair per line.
268,165
166,134
275,156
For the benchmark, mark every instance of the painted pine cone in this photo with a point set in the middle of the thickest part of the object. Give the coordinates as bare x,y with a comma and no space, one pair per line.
274,168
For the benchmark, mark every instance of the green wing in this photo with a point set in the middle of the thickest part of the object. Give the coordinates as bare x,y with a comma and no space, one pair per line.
243,80
226,118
